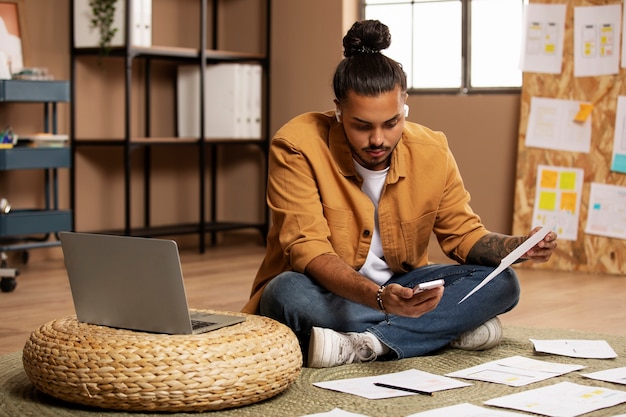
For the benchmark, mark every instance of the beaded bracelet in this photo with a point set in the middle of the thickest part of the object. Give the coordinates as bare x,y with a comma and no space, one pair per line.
379,300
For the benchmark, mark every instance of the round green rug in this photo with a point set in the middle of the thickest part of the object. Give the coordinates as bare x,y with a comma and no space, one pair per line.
19,398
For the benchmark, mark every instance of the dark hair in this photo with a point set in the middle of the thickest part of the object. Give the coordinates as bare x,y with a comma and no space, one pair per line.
365,70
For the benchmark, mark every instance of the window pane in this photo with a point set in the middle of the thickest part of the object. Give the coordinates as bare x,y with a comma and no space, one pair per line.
437,59
398,18
495,43
427,39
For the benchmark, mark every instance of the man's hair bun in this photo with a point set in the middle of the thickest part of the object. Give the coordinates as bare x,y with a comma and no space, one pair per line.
366,37
364,70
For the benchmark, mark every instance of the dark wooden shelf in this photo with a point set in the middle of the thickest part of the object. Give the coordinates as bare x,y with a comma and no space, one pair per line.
188,228
208,221
172,52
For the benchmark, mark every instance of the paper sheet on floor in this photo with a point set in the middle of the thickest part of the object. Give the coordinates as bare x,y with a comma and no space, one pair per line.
466,410
412,379
515,371
336,412
565,399
590,349
615,375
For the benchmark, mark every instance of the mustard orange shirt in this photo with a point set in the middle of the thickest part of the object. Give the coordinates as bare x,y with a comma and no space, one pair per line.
317,206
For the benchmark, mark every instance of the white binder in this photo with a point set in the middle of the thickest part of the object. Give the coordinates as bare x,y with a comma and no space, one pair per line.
232,101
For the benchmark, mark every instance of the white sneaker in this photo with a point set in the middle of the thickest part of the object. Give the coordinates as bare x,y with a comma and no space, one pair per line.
485,336
328,348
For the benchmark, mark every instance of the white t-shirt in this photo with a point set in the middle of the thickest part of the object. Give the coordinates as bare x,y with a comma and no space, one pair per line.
375,267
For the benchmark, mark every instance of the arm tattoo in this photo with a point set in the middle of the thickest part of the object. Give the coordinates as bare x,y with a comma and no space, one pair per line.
490,249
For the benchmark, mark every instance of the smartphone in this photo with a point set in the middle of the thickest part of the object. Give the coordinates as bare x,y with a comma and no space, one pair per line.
428,285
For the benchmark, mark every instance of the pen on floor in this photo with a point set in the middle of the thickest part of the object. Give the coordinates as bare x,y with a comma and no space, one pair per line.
415,391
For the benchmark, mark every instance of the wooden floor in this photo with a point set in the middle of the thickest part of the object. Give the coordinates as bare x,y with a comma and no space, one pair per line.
220,279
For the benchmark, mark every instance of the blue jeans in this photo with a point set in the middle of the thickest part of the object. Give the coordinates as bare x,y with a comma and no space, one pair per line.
297,301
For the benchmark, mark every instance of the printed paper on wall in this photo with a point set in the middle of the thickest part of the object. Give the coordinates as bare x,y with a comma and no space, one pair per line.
542,38
596,40
551,125
618,160
607,211
557,199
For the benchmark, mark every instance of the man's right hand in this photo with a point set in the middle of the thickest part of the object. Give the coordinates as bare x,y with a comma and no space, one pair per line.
401,301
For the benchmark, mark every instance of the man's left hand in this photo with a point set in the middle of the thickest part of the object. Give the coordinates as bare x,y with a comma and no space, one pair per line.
542,251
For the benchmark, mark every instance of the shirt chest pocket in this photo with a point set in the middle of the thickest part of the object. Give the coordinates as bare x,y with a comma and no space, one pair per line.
416,237
341,225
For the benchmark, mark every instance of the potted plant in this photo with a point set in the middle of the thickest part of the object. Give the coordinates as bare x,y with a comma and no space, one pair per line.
103,16
101,23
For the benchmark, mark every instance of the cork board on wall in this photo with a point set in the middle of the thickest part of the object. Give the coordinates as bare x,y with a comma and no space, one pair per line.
587,253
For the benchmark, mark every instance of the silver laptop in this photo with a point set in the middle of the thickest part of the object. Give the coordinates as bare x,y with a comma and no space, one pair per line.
132,283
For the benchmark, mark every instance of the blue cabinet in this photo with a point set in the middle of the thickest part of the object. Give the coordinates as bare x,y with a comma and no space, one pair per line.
34,91
34,158
26,228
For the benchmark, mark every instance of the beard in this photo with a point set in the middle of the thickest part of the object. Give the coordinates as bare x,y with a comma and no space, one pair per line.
364,157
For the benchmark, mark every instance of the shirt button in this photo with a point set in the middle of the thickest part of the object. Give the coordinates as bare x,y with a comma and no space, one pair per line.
366,233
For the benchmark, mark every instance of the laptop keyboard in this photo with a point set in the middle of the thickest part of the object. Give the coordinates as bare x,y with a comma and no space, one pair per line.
198,324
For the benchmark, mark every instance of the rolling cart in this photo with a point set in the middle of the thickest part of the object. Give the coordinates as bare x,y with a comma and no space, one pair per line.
24,229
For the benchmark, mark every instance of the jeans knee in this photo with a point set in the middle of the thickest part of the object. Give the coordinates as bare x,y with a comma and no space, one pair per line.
511,286
285,296
271,299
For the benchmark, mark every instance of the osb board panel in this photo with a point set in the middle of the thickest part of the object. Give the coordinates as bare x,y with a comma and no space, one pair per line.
589,253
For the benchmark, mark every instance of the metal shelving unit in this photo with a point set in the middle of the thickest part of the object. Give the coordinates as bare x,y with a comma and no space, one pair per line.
24,229
201,56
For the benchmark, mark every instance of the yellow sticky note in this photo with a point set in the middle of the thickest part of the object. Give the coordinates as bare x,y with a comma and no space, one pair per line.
547,201
568,180
583,112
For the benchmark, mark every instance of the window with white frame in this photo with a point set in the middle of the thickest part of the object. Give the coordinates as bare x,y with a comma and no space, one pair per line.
454,45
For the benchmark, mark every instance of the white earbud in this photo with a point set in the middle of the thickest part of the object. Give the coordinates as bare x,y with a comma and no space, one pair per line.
406,110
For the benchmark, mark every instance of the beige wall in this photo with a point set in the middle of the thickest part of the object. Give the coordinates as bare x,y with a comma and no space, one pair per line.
306,47
482,132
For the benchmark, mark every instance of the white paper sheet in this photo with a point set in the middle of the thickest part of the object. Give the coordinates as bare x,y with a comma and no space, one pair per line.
557,199
565,399
412,379
512,257
544,28
336,412
615,375
590,349
596,40
466,410
515,371
607,211
618,159
551,125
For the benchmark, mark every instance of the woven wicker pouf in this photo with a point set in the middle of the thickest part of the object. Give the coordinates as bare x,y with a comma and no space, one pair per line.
126,370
